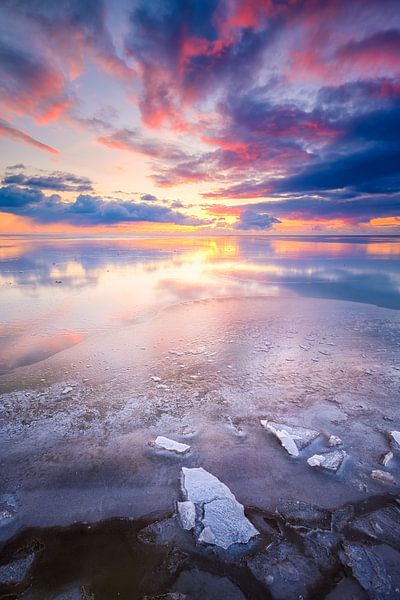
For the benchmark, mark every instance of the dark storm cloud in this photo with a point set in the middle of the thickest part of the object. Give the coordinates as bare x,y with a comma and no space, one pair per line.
148,198
255,218
86,209
57,181
356,210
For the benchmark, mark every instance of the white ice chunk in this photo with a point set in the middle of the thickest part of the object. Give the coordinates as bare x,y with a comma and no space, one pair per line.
386,458
224,522
187,514
382,476
293,439
166,444
395,439
334,440
330,461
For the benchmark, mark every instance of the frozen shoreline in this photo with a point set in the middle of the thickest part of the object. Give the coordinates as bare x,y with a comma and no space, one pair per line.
76,428
84,480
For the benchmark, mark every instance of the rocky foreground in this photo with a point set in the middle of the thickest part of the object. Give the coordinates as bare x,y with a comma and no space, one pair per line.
213,548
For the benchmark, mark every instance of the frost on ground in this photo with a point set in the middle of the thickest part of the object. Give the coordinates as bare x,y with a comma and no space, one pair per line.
222,364
84,456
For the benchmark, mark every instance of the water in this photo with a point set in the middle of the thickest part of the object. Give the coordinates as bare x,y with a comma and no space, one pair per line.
56,293
106,344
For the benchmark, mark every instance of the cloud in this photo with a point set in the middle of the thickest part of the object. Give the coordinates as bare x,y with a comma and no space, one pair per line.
255,218
186,51
73,29
361,157
381,48
355,210
6,130
86,210
30,85
43,49
134,141
58,181
287,100
16,167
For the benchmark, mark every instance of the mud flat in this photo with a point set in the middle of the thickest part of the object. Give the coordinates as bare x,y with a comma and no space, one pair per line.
81,476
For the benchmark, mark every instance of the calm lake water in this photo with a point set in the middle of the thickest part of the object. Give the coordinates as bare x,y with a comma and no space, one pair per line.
55,293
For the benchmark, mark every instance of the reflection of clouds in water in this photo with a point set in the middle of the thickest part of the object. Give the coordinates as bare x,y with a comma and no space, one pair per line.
371,286
109,283
26,349
198,262
76,263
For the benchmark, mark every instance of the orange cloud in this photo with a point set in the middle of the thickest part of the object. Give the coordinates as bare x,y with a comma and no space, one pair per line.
7,130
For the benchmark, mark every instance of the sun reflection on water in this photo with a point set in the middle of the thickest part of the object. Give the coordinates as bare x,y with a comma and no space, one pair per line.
54,293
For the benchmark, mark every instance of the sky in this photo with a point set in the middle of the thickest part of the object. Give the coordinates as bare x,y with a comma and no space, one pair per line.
200,116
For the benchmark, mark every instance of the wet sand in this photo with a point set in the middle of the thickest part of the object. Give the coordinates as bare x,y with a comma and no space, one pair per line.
77,428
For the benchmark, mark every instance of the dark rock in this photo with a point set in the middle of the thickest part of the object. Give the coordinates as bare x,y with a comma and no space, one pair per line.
321,546
174,561
347,589
166,531
342,517
15,572
285,572
200,585
172,596
382,525
298,513
376,568
75,592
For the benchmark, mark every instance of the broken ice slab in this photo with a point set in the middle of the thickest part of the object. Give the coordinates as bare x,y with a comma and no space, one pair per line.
382,476
329,461
293,439
386,458
187,514
334,440
394,437
167,444
223,522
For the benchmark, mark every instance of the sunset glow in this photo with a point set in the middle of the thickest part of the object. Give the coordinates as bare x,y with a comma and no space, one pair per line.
203,117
